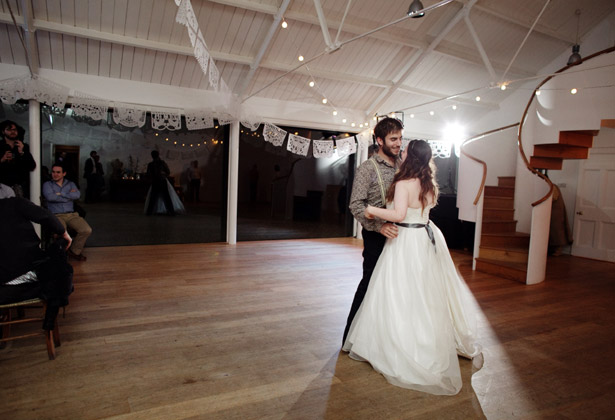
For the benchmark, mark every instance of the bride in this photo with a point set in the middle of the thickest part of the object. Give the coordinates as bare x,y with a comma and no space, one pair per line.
413,322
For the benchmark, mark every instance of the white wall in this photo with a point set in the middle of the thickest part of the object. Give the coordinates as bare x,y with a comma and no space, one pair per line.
555,110
498,150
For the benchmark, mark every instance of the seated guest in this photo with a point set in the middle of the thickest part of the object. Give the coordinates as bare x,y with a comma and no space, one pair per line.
60,194
23,264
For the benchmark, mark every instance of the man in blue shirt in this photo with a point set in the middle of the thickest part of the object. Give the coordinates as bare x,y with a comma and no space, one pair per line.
60,194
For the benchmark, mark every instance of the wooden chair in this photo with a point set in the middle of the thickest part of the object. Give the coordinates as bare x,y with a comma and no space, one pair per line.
52,337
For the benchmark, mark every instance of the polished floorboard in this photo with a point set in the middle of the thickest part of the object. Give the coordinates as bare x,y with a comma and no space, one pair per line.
253,331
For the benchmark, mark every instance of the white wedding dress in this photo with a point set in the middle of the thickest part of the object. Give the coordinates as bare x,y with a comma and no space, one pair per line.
159,206
413,323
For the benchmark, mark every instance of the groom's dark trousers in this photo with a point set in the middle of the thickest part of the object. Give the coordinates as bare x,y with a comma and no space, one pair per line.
373,243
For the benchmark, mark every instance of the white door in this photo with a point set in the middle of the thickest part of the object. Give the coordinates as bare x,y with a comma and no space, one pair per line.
594,218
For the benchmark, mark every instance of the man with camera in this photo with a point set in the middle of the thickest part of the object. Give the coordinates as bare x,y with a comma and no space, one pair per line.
16,162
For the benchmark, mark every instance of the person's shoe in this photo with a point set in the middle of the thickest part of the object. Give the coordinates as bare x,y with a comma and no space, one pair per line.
74,256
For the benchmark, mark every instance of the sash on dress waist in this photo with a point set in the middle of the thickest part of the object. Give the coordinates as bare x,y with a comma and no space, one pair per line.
418,226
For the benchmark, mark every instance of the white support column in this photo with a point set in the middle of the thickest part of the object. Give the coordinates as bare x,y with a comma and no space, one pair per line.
34,129
233,175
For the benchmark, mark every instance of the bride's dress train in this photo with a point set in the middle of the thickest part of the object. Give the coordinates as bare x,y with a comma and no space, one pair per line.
159,207
413,323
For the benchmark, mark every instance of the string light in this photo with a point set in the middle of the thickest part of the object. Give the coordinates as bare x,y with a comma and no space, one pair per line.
431,112
573,91
334,112
300,58
477,99
324,100
538,92
284,24
344,120
311,83
454,107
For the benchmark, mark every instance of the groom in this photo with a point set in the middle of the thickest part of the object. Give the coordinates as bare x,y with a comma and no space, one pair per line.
371,183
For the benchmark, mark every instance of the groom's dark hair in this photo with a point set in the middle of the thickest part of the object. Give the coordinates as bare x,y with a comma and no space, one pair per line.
386,126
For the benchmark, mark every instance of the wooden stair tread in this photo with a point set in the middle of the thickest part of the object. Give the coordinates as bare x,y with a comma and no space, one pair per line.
510,234
513,265
558,150
513,248
540,162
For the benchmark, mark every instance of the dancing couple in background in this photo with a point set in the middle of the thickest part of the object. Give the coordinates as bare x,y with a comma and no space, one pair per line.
409,316
161,197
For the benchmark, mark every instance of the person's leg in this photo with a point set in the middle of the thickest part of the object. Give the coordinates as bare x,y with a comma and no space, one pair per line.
197,189
373,242
83,229
89,189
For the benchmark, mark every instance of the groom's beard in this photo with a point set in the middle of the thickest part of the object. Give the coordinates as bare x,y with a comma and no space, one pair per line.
387,151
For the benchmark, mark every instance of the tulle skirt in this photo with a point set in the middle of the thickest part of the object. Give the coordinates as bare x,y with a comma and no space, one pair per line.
414,320
159,207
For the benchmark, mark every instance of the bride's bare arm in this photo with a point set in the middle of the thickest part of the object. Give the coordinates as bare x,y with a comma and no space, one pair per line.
396,214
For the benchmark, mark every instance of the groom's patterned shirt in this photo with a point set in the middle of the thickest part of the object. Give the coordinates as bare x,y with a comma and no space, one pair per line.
366,190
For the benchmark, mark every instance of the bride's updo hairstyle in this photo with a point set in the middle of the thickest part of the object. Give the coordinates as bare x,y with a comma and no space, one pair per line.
418,164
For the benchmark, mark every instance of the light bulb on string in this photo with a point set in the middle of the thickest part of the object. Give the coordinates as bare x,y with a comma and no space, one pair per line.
284,24
300,58
311,83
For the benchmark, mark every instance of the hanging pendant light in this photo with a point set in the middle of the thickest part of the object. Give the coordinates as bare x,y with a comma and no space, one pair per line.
575,57
415,6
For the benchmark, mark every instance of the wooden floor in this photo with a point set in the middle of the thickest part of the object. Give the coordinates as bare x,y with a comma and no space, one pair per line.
253,331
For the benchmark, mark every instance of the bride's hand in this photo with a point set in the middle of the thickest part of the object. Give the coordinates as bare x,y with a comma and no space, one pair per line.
368,213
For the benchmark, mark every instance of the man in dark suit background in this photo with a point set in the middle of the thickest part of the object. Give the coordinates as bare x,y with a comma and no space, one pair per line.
93,172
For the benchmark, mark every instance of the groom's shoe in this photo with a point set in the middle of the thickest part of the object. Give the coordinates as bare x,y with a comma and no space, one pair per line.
78,257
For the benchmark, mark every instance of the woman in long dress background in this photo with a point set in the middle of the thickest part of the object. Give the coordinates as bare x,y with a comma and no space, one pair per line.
413,322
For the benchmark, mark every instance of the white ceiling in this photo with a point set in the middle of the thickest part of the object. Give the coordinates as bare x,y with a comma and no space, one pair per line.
407,64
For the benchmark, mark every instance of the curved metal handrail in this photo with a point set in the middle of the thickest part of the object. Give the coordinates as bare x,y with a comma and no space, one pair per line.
520,142
486,133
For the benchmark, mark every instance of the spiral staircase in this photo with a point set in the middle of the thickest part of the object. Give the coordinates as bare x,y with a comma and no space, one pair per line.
504,251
